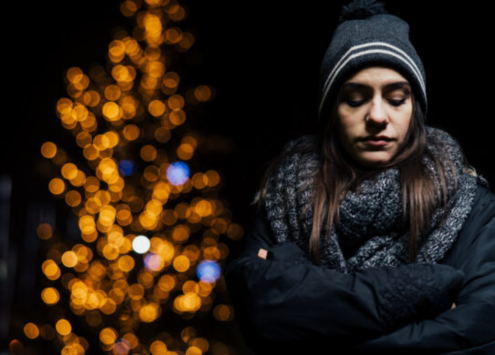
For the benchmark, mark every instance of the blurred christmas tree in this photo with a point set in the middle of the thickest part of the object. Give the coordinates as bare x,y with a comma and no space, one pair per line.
146,274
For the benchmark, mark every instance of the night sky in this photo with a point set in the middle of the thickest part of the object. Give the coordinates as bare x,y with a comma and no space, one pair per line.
263,60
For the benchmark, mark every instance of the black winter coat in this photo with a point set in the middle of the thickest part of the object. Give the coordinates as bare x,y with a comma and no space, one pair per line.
285,304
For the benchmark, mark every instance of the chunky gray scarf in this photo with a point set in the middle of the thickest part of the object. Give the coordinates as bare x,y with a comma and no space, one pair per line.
368,233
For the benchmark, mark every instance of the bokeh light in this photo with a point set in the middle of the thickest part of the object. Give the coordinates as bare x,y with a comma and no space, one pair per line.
31,330
141,244
136,186
178,173
126,167
44,231
48,150
50,295
208,271
63,327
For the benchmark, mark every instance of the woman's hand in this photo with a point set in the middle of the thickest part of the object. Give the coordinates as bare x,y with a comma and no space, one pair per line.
262,253
453,305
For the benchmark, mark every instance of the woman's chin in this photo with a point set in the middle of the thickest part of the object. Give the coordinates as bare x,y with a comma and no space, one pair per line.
373,161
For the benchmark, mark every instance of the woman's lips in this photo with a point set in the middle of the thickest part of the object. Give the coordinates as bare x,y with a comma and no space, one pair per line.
375,143
377,140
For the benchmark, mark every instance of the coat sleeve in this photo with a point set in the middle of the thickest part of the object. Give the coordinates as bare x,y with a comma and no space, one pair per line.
469,328
286,299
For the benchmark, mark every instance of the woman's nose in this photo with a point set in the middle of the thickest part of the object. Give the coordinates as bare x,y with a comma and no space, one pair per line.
377,114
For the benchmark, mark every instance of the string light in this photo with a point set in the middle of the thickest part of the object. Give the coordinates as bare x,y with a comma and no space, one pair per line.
134,193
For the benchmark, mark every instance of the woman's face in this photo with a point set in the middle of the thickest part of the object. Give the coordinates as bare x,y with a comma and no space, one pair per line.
374,114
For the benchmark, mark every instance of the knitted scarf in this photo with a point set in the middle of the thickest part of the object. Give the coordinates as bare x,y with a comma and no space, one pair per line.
368,233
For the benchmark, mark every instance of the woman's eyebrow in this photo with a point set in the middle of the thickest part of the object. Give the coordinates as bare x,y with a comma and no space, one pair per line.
398,85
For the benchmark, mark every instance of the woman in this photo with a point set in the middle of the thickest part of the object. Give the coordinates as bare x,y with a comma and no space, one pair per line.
375,234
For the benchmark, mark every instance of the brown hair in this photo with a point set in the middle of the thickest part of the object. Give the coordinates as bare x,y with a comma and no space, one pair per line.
340,174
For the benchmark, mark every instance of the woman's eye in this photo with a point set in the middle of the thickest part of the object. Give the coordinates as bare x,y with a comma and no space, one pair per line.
355,103
397,102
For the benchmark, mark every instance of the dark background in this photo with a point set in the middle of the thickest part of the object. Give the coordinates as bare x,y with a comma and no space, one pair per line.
263,61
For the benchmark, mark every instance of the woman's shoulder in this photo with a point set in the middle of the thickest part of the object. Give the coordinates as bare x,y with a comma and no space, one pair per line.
299,155
484,200
440,142
477,235
299,141
482,215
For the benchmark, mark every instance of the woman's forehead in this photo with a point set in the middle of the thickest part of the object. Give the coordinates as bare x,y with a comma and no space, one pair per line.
376,74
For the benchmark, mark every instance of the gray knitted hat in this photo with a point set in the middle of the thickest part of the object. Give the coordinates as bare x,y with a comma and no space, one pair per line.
367,34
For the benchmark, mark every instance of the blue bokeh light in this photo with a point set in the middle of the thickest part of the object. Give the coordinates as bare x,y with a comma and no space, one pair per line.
208,271
153,262
121,347
126,167
178,173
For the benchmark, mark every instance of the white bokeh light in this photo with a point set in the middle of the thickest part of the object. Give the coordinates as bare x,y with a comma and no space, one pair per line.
141,244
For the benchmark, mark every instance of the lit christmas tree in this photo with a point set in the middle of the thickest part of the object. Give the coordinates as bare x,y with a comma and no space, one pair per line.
146,274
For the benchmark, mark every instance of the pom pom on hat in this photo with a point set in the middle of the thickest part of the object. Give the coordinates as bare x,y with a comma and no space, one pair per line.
361,9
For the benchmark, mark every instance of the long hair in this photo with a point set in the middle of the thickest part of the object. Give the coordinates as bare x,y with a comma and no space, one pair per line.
340,174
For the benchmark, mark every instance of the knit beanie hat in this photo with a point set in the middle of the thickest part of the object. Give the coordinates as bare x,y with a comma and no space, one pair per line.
368,35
